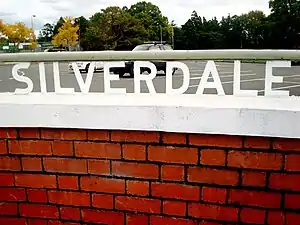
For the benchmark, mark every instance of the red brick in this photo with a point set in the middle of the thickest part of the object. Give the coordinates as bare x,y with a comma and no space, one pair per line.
105,185
55,222
134,152
8,209
213,176
172,173
276,218
38,211
3,147
255,160
175,191
38,196
209,223
257,143
140,188
292,218
28,147
8,133
37,222
69,198
168,154
98,150
68,182
29,133
213,157
99,167
292,163
213,212
214,195
255,179
58,222
174,138
136,170
68,213
65,165
292,201
12,221
12,194
135,136
64,134
35,180
97,216
135,219
159,220
286,144
255,198
174,208
103,201
285,181
216,140
98,135
62,148
6,179
136,204
9,163
255,216
31,164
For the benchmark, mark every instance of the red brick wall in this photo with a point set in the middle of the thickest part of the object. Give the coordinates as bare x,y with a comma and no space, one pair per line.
71,177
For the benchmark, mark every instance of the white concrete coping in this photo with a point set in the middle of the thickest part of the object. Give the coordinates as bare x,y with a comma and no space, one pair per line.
222,54
204,114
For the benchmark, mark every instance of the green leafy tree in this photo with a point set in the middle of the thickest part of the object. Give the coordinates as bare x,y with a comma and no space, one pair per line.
114,28
152,19
82,24
58,25
46,34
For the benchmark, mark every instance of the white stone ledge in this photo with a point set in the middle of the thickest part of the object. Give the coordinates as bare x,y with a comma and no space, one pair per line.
258,116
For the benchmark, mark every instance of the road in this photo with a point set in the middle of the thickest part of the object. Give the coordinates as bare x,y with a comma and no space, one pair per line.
252,78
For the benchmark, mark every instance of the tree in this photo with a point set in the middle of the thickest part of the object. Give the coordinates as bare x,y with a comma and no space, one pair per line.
18,32
2,26
114,28
152,19
67,34
253,26
47,32
82,23
2,29
285,23
58,25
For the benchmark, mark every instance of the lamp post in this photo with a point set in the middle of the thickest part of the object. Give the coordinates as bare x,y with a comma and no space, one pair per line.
33,16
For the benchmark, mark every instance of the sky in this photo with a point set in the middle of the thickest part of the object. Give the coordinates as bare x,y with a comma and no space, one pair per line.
178,10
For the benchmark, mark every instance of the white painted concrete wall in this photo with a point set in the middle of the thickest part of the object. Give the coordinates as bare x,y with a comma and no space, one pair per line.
252,116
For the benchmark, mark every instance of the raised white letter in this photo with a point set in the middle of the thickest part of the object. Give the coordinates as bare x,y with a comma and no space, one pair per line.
210,68
169,75
109,77
42,77
57,87
84,87
275,79
148,78
19,78
237,82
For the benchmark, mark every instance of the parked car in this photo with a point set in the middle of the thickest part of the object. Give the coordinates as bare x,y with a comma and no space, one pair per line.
148,46
84,66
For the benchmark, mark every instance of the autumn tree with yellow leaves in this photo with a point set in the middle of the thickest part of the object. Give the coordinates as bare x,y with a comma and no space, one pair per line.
67,34
18,33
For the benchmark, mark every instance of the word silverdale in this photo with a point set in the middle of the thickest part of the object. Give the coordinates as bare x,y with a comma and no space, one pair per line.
210,68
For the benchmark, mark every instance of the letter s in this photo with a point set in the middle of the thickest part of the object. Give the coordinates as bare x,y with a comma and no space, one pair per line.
23,79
